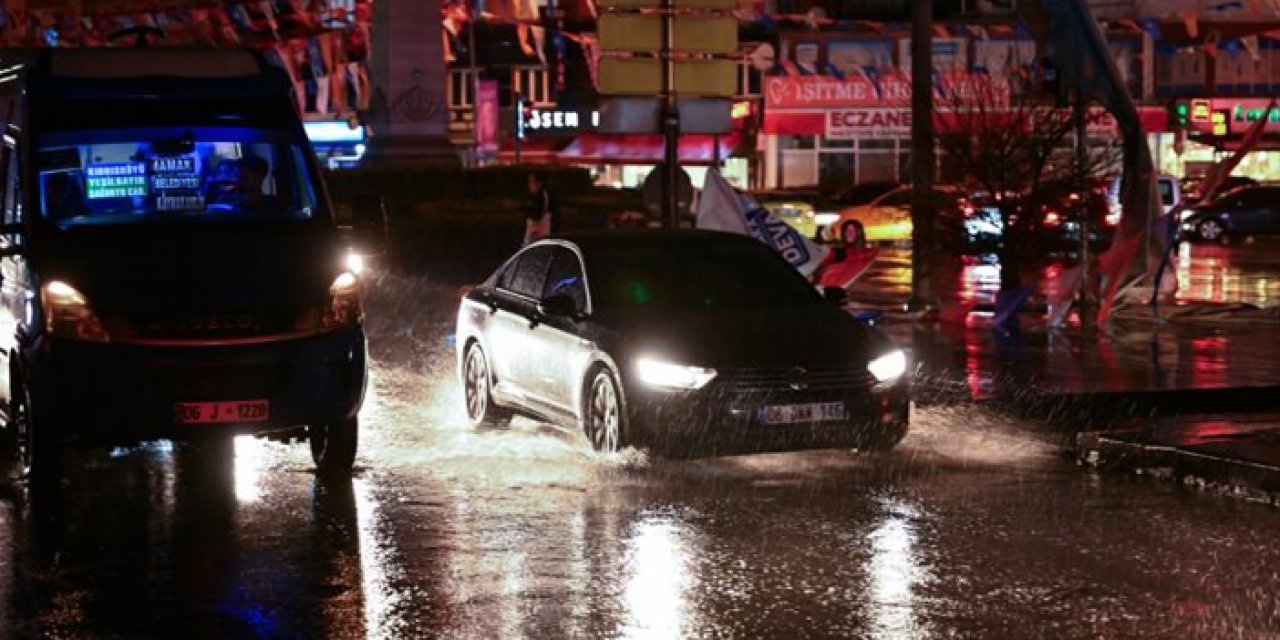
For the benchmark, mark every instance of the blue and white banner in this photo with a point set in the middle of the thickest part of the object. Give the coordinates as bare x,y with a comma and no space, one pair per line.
722,208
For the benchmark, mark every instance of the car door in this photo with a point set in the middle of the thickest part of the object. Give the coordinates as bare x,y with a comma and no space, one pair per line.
560,351
891,216
1249,211
513,306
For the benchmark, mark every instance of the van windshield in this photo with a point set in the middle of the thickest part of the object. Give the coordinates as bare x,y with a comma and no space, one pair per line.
172,174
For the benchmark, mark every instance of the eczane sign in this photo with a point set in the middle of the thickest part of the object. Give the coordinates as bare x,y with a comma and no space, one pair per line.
846,124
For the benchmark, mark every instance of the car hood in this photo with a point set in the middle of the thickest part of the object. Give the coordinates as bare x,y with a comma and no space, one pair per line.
190,268
817,336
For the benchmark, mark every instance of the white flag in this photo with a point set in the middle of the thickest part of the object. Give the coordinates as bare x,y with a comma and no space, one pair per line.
722,208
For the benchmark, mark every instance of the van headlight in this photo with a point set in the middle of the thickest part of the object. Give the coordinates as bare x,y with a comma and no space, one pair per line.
668,375
67,313
888,366
344,310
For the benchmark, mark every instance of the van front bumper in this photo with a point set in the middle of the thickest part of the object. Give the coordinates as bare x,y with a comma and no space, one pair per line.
118,393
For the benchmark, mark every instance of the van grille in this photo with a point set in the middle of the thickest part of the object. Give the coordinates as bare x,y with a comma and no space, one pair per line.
212,325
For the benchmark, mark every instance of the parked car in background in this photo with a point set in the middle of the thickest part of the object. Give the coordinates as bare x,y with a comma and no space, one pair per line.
804,209
681,340
1067,212
1168,187
1245,211
1191,187
887,217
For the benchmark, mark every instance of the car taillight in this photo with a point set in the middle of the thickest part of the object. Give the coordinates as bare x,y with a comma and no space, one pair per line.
67,314
968,209
1052,218
344,310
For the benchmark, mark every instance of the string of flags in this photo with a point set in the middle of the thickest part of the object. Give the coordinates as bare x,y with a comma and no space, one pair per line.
322,44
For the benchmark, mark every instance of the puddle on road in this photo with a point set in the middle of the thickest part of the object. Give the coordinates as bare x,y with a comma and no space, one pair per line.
414,421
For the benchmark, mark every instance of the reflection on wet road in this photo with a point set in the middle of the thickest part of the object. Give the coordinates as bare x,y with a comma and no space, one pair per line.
974,527
1245,273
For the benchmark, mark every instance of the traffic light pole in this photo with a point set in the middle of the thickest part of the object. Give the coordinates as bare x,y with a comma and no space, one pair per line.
670,118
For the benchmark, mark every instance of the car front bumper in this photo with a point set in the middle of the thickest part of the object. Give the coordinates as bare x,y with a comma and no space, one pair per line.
117,393
716,420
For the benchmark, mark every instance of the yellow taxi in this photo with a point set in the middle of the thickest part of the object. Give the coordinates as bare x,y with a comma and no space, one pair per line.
798,208
886,218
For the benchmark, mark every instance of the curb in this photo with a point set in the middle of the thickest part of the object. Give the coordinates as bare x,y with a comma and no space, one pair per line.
1237,478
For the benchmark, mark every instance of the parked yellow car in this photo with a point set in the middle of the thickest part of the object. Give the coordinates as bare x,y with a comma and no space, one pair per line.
799,208
887,218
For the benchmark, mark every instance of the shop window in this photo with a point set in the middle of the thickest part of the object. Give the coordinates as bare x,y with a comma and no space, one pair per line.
800,142
877,166
878,143
798,169
828,143
837,170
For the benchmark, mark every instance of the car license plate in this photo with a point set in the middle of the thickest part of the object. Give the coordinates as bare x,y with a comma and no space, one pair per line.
221,412
814,412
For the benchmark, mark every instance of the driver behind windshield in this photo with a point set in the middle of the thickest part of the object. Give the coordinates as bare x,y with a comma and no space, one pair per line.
246,192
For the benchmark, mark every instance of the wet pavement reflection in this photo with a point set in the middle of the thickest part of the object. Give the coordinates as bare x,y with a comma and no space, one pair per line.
976,526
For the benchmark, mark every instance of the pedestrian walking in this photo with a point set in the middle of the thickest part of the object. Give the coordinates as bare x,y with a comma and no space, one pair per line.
540,215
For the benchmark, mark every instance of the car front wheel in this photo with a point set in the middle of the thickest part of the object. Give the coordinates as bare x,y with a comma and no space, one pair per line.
1211,230
604,420
333,446
851,233
477,391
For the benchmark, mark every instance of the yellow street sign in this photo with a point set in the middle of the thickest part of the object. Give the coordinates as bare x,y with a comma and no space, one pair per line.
693,34
680,4
643,77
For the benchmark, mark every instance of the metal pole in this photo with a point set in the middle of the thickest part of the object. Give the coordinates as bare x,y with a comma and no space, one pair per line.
519,128
475,84
670,118
922,156
1082,158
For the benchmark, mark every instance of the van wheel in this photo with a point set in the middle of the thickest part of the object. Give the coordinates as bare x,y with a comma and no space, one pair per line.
333,446
37,446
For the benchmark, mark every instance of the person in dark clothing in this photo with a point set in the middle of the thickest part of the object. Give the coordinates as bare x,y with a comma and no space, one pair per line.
540,215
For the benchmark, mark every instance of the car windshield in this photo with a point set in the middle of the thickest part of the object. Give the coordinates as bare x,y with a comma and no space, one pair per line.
172,174
697,277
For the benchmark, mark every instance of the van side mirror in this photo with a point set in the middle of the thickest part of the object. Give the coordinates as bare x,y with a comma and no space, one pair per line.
363,223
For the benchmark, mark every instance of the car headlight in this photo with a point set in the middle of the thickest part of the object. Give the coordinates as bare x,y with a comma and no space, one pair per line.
672,376
67,313
825,219
354,263
344,310
888,366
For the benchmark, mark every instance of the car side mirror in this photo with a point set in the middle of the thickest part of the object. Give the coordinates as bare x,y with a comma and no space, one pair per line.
835,295
558,306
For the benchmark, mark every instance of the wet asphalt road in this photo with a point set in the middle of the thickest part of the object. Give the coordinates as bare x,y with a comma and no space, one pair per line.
977,526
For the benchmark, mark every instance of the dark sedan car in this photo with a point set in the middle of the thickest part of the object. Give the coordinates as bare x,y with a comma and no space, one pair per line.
1245,211
682,341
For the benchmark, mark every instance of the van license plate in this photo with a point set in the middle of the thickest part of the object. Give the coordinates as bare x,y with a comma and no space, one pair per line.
221,412
814,412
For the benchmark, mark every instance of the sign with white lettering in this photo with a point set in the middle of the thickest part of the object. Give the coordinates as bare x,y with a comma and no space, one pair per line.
116,180
845,124
551,122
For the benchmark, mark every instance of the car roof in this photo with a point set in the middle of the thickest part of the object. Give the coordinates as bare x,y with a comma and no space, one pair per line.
605,240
